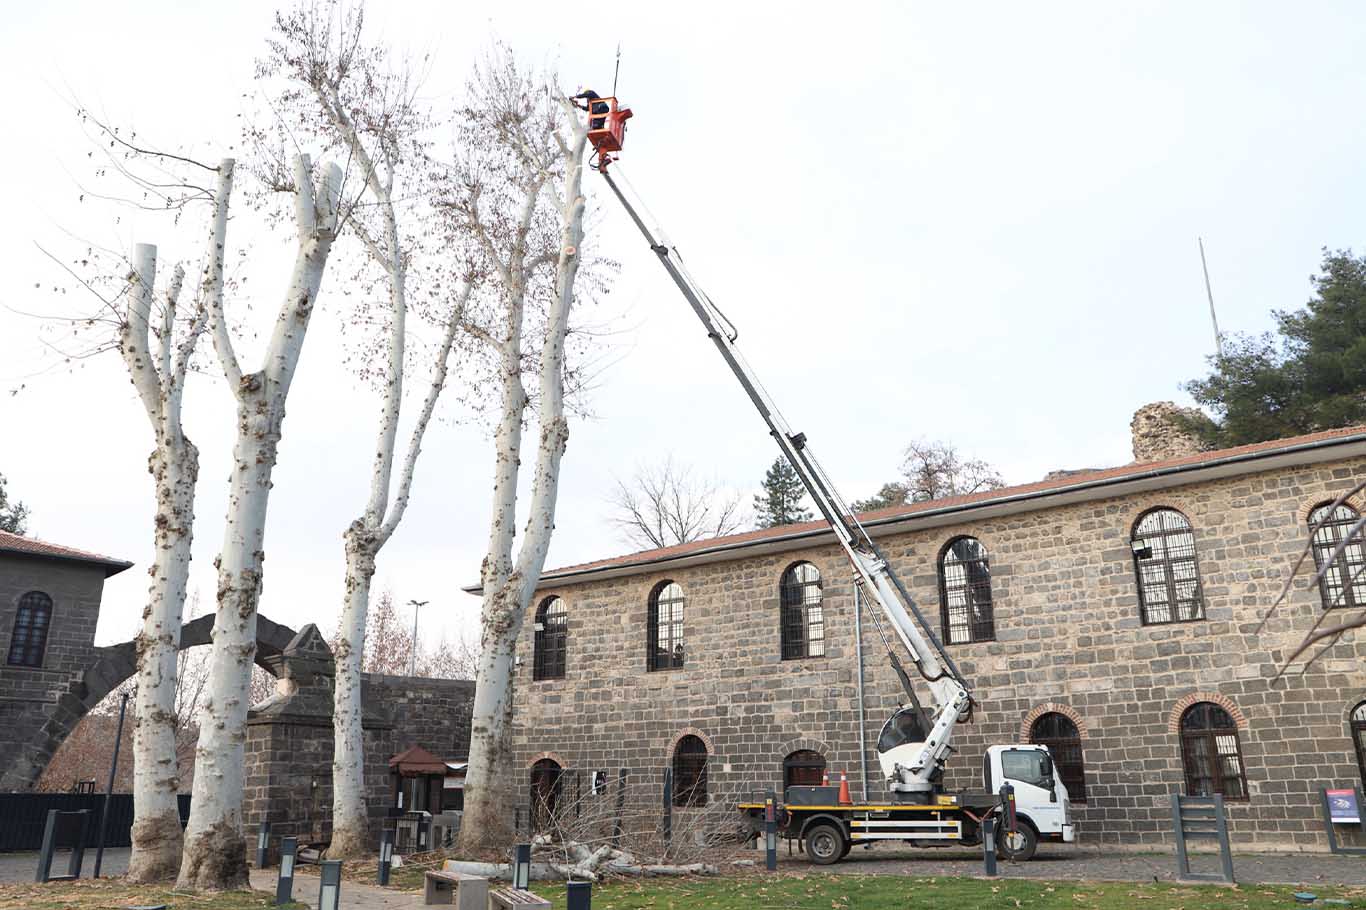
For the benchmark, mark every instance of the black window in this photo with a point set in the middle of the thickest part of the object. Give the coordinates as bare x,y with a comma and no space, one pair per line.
1063,739
690,772
803,619
551,641
803,768
965,592
1358,724
665,627
1344,583
31,621
546,786
1211,752
1164,564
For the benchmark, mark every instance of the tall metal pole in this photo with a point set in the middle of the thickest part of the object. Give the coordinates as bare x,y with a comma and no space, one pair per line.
109,788
412,657
1209,293
858,656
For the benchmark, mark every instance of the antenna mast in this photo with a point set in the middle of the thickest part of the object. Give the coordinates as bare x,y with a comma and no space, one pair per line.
1218,339
617,71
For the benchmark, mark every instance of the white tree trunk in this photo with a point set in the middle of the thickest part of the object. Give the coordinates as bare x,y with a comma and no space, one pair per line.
508,587
215,852
349,817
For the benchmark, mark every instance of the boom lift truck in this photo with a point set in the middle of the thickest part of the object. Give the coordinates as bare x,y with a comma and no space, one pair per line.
914,743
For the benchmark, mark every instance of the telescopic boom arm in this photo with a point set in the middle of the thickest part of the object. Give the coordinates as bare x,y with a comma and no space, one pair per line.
871,571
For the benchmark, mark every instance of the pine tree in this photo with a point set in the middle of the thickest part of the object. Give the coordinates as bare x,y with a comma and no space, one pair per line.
13,515
780,503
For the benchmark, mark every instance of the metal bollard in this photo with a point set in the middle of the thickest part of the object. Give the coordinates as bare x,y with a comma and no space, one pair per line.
578,896
989,846
263,846
284,885
329,887
424,830
386,854
770,832
521,867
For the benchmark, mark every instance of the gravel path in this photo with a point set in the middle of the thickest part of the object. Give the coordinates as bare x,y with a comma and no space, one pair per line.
20,867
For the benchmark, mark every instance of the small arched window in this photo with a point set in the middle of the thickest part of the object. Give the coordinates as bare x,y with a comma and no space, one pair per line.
1168,576
1063,739
1357,721
1344,583
1211,752
803,768
28,642
802,616
965,592
665,627
551,641
690,772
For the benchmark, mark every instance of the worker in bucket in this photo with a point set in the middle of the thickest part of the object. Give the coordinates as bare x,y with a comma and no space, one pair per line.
593,106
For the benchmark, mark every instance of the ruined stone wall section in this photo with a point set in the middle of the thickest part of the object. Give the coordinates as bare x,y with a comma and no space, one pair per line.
1068,632
1157,435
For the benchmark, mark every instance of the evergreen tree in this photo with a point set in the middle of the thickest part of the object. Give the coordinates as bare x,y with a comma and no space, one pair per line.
1309,376
13,515
780,502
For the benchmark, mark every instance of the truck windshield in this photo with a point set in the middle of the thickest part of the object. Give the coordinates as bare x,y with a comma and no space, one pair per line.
1029,766
905,726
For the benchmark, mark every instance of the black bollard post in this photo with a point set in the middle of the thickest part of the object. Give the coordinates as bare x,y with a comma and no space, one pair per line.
73,866
770,832
521,867
578,896
386,854
329,885
621,807
108,791
989,846
284,886
424,830
668,805
263,846
49,844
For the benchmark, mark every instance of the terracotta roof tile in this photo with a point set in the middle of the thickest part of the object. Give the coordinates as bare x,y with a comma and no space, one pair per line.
32,546
1080,478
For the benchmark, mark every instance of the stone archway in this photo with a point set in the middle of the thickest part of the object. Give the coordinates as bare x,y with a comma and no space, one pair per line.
116,663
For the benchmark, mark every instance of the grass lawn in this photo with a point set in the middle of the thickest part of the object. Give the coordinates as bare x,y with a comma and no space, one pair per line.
113,894
886,892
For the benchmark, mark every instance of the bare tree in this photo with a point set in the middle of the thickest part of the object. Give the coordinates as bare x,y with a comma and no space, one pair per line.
343,91
666,504
933,470
518,190
390,646
215,854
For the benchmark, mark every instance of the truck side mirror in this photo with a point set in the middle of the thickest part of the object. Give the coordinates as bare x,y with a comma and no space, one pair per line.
1050,782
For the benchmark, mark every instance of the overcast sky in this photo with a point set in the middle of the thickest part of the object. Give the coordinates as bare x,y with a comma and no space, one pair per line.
973,223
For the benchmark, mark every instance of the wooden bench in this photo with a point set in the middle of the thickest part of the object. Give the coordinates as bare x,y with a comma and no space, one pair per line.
467,892
512,899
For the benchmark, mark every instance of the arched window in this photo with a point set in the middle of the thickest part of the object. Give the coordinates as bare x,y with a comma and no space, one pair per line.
29,639
690,772
802,617
1357,720
546,784
965,592
1344,584
1063,739
551,641
665,627
1211,753
1164,563
803,768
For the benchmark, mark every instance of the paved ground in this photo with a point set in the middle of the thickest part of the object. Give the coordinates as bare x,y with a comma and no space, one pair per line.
1075,863
354,895
20,867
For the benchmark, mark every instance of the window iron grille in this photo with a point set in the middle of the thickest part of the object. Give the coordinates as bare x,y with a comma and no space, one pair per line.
802,617
1211,753
966,611
665,627
1166,569
1343,584
1063,739
551,641
28,642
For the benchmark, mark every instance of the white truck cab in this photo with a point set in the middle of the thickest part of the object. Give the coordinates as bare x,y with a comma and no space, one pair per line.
1040,797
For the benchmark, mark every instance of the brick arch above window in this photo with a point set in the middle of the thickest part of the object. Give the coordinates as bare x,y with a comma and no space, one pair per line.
542,756
806,744
1356,501
1052,707
691,731
1216,698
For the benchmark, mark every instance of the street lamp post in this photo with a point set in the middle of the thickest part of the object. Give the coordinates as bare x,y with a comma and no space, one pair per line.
412,657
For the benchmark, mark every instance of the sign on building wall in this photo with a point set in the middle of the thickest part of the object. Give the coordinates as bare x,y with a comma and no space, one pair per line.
1343,808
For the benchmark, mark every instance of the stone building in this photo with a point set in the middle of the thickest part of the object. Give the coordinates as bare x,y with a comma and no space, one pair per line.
49,605
1113,614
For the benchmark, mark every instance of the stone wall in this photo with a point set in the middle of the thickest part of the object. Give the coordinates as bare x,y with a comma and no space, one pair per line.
1068,635
290,740
1158,435
32,699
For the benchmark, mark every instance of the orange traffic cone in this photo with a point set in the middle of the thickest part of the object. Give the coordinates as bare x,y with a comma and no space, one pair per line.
845,798
825,778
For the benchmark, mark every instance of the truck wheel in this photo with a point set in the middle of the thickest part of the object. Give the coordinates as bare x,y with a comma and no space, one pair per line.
1020,845
824,844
